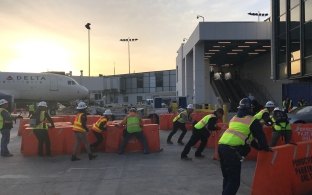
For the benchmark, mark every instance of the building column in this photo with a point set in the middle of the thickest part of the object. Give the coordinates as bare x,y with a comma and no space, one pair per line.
189,77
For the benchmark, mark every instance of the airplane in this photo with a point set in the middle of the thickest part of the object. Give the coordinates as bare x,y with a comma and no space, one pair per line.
35,87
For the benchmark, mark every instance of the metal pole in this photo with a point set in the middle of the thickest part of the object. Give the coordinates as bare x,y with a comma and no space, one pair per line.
258,16
129,53
89,48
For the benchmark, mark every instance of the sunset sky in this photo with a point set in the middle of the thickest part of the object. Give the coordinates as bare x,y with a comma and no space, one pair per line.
49,35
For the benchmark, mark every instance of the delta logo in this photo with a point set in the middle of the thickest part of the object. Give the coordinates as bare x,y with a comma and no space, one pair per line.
26,78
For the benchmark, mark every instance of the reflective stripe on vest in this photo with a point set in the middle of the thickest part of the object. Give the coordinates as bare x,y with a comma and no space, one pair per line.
204,121
96,126
1,117
77,126
238,132
179,117
282,126
42,122
133,124
260,113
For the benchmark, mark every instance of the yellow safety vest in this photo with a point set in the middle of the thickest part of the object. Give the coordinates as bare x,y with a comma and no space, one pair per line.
133,124
204,121
179,118
238,133
96,126
77,126
31,107
1,117
282,126
42,122
260,113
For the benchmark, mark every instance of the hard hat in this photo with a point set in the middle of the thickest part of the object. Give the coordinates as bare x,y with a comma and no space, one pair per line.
108,112
245,103
3,101
133,109
269,104
81,106
43,104
190,106
277,109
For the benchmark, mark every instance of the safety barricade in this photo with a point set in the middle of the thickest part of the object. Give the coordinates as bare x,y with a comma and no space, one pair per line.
22,123
301,132
91,119
113,138
164,121
29,142
146,121
57,139
287,170
68,118
58,119
91,139
197,116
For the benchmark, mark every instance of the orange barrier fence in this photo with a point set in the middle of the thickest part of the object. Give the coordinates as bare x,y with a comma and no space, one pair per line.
286,170
22,123
146,121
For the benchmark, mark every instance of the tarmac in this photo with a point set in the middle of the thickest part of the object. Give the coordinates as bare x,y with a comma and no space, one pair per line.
162,173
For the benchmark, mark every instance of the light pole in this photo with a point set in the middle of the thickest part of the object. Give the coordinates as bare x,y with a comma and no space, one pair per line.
199,16
89,28
258,14
129,40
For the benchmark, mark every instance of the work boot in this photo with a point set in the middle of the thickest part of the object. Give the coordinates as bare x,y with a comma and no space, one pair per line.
169,142
186,158
74,158
92,156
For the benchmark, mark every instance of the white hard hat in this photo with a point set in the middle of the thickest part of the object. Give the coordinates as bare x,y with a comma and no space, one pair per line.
3,101
269,104
277,109
190,106
108,112
81,106
43,104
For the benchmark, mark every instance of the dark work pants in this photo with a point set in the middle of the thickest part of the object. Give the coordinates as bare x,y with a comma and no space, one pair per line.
43,139
231,169
139,135
277,134
5,139
176,126
99,139
202,135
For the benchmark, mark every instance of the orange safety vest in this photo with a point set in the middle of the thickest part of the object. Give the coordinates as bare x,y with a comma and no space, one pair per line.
96,126
77,123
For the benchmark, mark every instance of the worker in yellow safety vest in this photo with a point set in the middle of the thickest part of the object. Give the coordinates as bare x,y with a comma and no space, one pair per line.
99,127
201,131
235,143
6,124
80,129
264,115
281,127
134,126
31,110
179,123
40,128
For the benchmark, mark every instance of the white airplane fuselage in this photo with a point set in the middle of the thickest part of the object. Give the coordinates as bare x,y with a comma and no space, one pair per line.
41,87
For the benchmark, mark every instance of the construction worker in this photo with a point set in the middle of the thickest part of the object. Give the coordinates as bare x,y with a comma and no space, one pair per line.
201,131
179,123
173,107
99,127
134,126
235,143
31,110
80,129
40,129
281,127
264,115
6,124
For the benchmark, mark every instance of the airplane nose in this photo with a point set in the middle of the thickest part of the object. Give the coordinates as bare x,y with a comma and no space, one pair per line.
83,91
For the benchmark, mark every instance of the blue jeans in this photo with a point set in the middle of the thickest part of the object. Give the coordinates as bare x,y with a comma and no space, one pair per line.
5,139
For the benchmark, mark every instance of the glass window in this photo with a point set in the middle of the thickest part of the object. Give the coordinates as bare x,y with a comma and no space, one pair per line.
293,3
282,49
166,80
152,89
125,98
140,81
295,67
282,6
140,90
152,81
295,17
159,79
308,39
172,80
146,90
295,40
166,72
134,83
166,88
308,10
282,25
282,71
158,89
308,65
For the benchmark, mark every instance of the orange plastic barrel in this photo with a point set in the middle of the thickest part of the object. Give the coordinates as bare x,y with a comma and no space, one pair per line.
22,123
151,133
163,123
146,121
29,143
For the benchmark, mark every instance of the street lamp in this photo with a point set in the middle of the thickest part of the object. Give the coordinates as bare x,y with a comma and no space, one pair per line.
129,40
258,14
199,16
89,28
